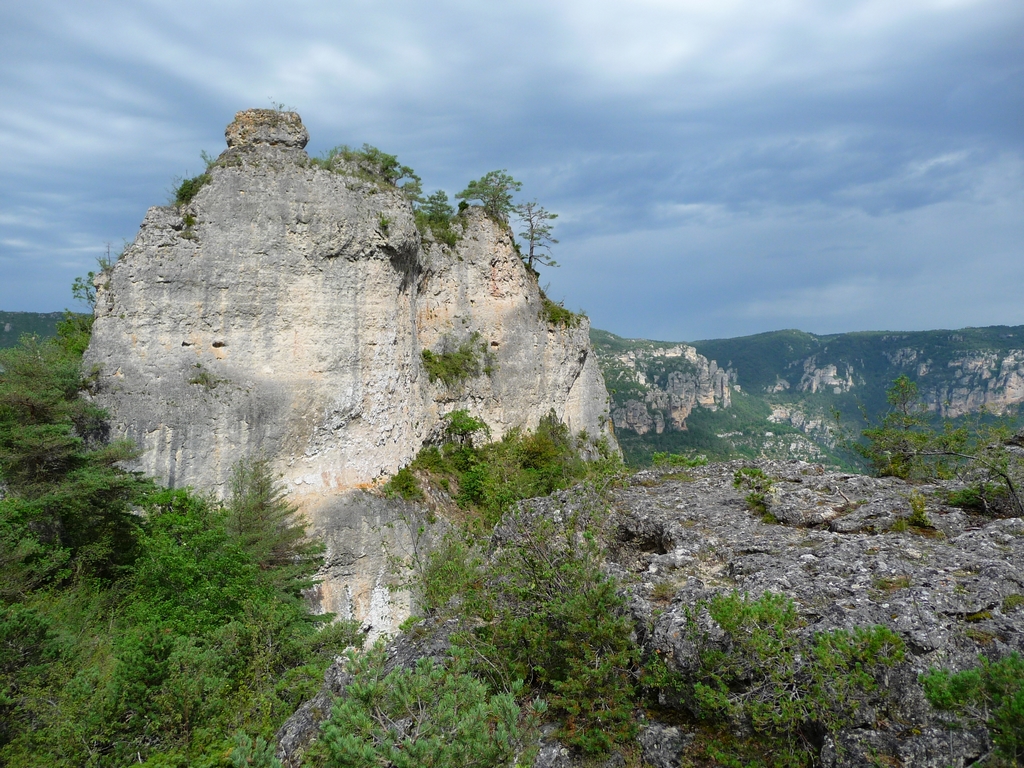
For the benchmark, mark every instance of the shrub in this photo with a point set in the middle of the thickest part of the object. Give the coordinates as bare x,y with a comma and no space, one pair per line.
451,366
666,459
371,164
992,693
403,483
918,518
556,314
759,485
549,616
186,191
783,685
430,716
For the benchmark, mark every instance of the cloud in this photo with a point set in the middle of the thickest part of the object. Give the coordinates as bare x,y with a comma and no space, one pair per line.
718,168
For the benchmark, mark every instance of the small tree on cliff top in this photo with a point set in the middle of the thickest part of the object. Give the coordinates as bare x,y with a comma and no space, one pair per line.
494,191
537,234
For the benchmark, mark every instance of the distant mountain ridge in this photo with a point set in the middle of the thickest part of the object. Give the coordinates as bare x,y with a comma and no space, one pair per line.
784,385
15,324
769,395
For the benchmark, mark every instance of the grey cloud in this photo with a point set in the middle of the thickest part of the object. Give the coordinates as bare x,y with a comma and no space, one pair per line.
718,169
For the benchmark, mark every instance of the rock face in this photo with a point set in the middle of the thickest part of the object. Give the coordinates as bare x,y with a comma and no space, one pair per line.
285,309
951,592
666,382
675,540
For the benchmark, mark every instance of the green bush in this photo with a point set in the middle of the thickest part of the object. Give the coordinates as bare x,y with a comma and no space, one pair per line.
432,716
759,486
371,164
403,483
992,693
547,615
455,364
781,684
556,314
186,191
666,459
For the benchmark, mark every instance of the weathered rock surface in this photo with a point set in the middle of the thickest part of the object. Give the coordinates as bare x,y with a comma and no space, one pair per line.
677,539
674,380
943,590
285,309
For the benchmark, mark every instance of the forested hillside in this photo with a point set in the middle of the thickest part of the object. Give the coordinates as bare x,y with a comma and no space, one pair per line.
785,387
14,324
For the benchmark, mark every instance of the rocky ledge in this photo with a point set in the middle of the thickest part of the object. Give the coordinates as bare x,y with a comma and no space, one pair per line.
838,545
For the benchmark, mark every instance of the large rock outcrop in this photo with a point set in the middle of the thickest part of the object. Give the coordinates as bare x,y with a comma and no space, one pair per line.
285,309
951,592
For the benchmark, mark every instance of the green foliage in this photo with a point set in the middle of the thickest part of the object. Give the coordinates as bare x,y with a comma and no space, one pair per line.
403,483
373,165
197,641
556,314
918,518
432,716
491,478
536,233
780,683
267,525
494,192
548,616
460,428
67,508
759,486
186,191
250,754
666,459
992,693
981,497
436,215
905,445
453,365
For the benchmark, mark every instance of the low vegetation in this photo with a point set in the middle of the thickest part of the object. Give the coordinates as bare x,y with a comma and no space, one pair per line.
759,487
785,686
372,165
449,718
456,362
553,313
137,624
991,694
905,444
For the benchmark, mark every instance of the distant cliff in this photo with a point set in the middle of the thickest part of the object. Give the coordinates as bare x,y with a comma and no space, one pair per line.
285,308
785,386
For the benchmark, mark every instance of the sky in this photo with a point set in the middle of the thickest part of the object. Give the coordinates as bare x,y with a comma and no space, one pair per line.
719,168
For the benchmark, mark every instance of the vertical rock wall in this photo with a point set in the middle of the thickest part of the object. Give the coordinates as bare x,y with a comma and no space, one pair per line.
285,309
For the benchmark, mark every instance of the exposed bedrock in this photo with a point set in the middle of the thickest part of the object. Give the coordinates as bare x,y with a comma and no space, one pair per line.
285,309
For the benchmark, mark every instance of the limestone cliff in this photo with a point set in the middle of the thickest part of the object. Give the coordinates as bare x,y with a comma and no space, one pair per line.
285,309
657,386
